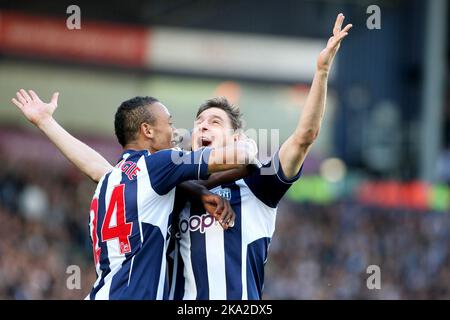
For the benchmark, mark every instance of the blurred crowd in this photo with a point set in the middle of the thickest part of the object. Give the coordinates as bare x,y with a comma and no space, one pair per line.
318,252
323,252
43,231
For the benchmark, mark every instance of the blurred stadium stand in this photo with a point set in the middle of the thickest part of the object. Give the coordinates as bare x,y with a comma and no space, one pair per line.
364,198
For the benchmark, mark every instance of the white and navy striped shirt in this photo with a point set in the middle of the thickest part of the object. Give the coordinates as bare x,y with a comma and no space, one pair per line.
210,263
130,215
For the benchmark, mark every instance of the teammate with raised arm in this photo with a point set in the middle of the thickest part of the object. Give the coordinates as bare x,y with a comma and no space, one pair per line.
236,271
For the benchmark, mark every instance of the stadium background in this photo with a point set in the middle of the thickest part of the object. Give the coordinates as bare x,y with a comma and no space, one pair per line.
375,189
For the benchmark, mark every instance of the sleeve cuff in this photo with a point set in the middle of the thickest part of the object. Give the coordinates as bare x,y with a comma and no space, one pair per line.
280,173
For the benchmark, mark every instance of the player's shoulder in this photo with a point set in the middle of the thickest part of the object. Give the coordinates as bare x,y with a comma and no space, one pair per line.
163,153
164,156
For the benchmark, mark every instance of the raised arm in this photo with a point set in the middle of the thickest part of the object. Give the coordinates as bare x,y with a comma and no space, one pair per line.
40,114
293,151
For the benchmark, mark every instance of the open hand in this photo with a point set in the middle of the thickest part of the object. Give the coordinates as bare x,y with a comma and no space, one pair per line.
327,55
33,108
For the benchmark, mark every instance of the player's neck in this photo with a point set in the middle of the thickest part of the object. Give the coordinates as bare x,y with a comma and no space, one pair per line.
137,145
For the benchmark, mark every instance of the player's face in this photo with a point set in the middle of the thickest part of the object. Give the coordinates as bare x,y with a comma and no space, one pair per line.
163,127
212,128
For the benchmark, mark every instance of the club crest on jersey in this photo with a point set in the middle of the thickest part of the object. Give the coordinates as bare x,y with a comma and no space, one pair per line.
224,193
124,247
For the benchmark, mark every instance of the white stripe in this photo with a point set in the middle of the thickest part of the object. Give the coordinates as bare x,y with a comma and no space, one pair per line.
215,257
91,227
114,256
143,184
153,208
200,164
162,273
244,271
190,288
245,220
174,273
263,217
259,224
131,269
97,267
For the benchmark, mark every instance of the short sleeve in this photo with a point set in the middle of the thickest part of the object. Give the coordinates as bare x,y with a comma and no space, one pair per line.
168,168
269,184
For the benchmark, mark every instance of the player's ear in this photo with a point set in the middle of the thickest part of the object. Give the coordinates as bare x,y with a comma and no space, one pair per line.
147,130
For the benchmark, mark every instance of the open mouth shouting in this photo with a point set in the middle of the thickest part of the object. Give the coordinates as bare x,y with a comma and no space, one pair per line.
205,142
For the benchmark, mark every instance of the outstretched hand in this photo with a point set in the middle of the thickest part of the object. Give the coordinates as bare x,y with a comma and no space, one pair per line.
33,108
327,55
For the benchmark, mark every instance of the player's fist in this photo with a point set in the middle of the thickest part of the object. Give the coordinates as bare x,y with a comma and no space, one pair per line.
33,108
219,208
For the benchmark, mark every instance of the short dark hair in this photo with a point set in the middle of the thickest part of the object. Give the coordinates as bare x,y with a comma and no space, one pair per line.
222,103
129,117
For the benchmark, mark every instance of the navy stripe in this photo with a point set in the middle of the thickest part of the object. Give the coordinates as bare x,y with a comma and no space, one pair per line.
233,248
176,277
180,281
147,265
198,256
169,262
119,281
104,260
172,265
256,260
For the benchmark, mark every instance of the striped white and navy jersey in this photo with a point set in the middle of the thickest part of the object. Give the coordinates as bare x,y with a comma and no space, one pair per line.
130,215
210,263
